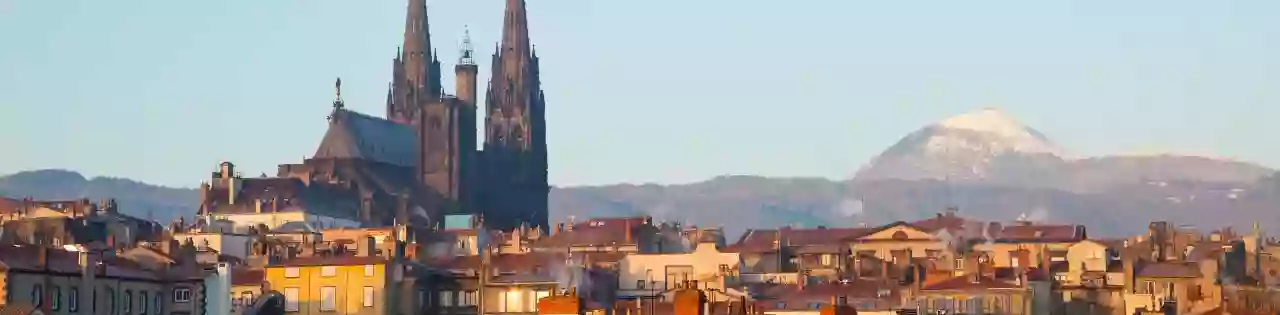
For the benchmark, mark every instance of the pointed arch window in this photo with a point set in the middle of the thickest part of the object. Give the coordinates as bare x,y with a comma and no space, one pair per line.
517,134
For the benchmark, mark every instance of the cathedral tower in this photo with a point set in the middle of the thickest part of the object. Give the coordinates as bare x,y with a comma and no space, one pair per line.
416,69
515,148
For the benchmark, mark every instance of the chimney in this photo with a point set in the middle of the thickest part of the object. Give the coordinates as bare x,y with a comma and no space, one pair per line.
88,268
972,267
689,301
1045,260
402,204
42,257
1127,261
837,307
627,233
365,246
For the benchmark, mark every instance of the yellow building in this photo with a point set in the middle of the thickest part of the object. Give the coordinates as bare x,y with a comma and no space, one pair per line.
333,284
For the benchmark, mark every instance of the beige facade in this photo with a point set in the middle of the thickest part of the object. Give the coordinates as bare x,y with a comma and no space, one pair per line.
898,242
644,274
236,245
275,219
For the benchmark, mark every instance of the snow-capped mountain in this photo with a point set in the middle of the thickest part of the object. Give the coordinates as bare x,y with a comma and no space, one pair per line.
989,146
985,146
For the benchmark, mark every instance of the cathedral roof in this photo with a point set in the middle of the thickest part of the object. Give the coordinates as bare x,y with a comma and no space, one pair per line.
353,135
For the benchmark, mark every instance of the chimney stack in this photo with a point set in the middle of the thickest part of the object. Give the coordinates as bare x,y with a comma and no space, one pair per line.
365,246
627,233
689,301
42,256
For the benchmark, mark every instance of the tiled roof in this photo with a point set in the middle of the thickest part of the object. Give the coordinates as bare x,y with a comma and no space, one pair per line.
596,232
819,238
247,276
967,283
26,258
1041,233
9,205
948,222
754,241
341,260
1168,270
353,135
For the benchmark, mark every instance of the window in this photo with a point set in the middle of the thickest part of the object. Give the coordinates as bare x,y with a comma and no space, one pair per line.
368,270
156,303
328,271
57,298
538,295
469,298
290,299
826,259
368,296
446,298
37,294
128,301
677,275
513,302
959,264
111,301
181,295
291,272
328,298
142,297
1150,287
640,284
1013,259
73,302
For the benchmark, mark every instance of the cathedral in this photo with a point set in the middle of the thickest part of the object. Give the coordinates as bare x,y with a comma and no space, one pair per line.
506,181
421,160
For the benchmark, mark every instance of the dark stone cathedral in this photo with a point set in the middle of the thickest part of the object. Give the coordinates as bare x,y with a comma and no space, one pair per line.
421,161
507,180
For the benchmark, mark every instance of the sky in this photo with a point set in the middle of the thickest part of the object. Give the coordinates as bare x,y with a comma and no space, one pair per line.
663,91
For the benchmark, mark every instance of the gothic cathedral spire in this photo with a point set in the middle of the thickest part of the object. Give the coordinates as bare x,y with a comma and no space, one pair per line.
416,77
515,147
514,98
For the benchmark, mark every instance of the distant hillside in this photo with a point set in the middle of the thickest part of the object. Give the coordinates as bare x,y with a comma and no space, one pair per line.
135,198
984,162
741,202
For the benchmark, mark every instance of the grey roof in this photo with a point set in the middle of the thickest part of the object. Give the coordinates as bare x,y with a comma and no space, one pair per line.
353,135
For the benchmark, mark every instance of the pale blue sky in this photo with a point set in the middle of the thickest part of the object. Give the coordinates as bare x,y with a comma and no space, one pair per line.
640,91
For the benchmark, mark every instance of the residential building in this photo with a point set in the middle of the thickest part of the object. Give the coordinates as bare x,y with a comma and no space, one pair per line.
341,284
653,275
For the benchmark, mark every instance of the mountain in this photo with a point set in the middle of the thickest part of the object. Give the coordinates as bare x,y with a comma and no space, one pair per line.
989,147
135,198
985,163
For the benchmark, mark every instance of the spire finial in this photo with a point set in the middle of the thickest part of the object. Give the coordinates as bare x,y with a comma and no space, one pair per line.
337,88
466,49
